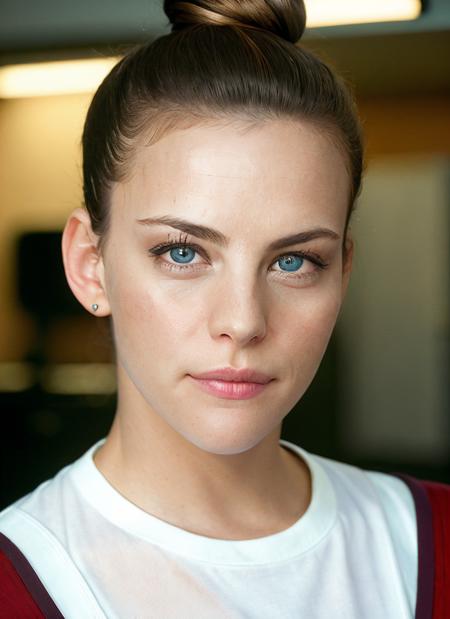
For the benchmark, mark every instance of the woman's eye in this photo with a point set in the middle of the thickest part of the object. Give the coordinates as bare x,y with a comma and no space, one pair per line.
176,257
182,255
290,263
299,266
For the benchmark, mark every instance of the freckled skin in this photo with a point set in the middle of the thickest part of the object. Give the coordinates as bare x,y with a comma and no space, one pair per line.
208,464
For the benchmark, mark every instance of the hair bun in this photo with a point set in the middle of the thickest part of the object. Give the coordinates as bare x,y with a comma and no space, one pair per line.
285,18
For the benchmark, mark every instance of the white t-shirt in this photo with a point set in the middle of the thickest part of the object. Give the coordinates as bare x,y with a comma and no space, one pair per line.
352,555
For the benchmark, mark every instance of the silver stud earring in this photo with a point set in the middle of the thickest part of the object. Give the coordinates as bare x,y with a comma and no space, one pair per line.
94,307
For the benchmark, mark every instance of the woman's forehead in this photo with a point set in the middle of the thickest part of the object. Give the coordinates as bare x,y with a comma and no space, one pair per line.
241,149
276,167
209,156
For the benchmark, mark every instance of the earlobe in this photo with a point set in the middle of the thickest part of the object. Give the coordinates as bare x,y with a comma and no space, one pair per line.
83,263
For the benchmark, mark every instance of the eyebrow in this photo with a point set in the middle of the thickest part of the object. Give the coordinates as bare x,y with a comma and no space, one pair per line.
216,237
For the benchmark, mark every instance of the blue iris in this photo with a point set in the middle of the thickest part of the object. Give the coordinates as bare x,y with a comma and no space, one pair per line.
293,263
180,253
184,255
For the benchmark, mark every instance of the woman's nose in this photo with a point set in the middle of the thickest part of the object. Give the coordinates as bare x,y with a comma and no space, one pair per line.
238,312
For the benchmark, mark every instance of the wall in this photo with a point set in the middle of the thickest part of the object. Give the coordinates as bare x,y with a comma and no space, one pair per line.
394,328
40,182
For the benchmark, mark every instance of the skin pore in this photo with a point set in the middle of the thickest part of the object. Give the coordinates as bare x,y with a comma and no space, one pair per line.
211,465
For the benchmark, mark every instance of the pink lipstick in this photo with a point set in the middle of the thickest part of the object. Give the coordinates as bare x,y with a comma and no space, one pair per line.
232,384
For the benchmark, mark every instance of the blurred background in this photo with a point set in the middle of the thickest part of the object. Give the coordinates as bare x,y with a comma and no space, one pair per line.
381,397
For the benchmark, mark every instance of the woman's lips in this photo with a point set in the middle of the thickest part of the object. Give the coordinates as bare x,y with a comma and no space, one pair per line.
230,390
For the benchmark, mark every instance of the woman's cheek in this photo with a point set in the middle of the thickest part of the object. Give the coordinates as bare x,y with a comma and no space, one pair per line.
147,323
314,324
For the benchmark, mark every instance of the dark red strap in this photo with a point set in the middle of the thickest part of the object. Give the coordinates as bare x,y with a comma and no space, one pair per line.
425,543
15,600
432,503
22,594
439,495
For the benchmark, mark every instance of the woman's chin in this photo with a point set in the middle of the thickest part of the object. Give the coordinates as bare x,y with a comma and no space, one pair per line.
229,437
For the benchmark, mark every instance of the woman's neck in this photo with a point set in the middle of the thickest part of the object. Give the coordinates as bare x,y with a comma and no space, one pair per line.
251,494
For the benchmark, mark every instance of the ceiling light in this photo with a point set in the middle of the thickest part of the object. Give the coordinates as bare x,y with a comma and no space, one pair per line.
53,78
332,13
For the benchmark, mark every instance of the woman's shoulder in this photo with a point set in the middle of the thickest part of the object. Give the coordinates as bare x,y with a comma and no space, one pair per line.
374,500
35,534
32,559
37,517
375,492
366,489
399,493
417,514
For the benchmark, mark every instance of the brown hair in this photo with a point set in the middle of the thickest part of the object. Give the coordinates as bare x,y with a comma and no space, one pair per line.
223,60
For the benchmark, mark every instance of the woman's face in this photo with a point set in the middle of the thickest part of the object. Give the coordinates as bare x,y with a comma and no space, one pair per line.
235,296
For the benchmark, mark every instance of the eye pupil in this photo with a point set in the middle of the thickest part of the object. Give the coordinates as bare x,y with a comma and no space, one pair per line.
186,254
293,263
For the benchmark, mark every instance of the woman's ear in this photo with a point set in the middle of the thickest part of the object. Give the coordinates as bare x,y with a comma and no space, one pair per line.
83,263
347,261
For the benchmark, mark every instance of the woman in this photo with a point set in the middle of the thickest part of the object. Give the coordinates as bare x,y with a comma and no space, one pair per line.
221,164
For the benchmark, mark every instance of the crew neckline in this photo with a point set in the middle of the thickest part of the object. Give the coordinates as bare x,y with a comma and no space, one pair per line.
300,537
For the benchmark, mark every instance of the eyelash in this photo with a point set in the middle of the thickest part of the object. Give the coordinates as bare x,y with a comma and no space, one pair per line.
161,249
